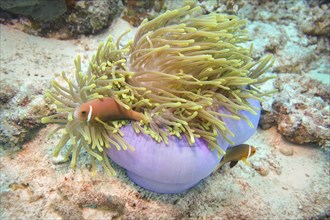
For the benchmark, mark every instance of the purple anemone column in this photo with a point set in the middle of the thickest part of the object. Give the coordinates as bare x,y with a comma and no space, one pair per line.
241,128
162,168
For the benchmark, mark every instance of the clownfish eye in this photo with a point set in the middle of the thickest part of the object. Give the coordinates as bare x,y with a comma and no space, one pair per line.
83,112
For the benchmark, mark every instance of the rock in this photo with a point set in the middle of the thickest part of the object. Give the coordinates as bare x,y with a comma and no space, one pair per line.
293,39
137,11
90,17
318,20
40,10
261,168
22,106
6,93
267,119
263,171
63,18
286,151
300,109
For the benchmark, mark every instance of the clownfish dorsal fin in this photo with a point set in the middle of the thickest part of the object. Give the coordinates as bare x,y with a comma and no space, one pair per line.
90,113
249,153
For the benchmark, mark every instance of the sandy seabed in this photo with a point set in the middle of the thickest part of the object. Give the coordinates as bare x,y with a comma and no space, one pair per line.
286,181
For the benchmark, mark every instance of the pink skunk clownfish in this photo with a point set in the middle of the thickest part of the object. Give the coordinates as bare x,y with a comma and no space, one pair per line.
235,154
105,109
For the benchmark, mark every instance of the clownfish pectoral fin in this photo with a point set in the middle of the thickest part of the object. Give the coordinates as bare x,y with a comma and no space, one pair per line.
246,162
233,163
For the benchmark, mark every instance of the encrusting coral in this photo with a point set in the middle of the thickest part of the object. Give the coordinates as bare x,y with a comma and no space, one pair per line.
178,71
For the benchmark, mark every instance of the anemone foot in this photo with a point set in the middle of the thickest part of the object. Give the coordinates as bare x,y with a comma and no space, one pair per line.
160,187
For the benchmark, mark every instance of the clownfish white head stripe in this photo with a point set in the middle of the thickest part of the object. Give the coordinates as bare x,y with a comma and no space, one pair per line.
250,149
90,113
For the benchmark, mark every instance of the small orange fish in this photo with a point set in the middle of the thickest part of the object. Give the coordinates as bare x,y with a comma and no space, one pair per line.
235,154
106,109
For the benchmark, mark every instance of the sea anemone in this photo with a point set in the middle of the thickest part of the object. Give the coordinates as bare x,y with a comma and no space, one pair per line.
190,77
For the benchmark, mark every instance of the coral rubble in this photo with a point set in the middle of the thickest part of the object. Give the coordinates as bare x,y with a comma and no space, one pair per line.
300,110
62,19
22,106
